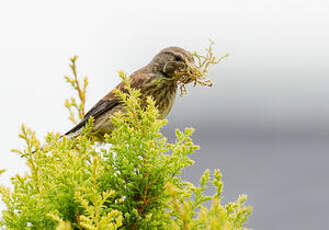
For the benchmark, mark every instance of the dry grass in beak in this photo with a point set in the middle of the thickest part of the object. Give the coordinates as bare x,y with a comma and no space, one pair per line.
197,73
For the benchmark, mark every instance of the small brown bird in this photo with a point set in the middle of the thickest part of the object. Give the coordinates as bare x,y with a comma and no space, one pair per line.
162,66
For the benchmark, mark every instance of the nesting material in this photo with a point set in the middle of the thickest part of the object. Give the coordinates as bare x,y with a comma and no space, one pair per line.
197,73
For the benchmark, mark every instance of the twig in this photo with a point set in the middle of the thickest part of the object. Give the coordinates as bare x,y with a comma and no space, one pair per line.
71,104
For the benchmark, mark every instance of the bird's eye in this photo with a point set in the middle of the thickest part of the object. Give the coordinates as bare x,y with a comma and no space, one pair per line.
178,58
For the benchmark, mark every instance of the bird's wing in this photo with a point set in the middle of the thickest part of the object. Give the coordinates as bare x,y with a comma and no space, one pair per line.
99,109
110,100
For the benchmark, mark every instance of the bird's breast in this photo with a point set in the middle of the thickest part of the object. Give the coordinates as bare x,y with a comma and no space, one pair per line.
163,94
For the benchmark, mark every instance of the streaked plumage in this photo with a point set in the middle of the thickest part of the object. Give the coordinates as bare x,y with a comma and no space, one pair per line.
162,66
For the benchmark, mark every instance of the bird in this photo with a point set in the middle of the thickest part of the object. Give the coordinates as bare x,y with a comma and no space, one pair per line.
162,66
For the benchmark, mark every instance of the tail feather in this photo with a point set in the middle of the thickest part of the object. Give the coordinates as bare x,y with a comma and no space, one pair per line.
70,135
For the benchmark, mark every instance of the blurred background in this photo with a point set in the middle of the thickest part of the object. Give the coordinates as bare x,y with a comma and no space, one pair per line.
265,123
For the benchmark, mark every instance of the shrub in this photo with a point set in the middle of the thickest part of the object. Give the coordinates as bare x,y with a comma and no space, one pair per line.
132,183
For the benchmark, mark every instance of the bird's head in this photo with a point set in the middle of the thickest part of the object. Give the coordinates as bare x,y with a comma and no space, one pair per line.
170,59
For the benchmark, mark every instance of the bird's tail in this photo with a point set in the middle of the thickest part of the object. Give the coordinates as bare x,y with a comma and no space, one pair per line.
69,136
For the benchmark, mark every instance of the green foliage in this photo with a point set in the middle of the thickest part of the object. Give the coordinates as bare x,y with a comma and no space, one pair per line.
133,184
74,106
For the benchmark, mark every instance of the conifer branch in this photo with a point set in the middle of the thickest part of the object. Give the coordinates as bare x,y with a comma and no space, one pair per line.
74,106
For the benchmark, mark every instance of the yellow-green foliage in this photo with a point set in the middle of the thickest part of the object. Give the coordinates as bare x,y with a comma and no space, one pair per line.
74,106
133,184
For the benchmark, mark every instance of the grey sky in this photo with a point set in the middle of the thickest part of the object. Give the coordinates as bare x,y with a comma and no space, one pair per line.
275,83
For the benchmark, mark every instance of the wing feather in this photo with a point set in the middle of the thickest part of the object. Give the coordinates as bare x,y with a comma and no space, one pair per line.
109,101
99,109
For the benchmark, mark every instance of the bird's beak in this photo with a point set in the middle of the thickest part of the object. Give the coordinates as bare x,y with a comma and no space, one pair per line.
170,67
